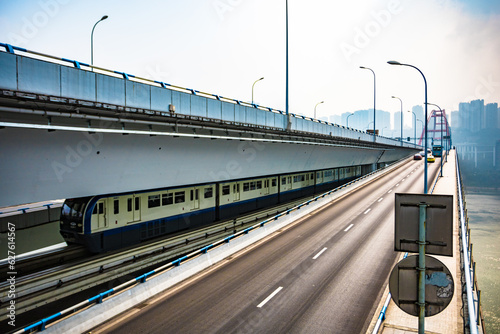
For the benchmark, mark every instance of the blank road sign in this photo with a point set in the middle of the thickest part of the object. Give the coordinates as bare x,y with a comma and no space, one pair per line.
438,223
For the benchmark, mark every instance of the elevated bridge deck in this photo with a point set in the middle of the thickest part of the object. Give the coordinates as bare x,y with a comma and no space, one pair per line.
69,130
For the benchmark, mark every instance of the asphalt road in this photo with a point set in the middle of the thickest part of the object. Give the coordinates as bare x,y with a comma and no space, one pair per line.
323,274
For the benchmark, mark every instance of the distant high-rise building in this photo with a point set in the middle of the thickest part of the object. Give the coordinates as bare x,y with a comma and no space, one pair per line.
397,124
464,116
419,112
363,120
491,116
476,115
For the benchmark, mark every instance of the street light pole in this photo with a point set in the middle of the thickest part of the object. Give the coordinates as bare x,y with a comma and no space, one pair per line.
393,62
254,85
414,128
395,97
348,119
315,108
441,111
286,102
92,41
374,95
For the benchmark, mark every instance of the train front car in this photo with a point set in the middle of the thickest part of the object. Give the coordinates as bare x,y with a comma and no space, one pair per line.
72,220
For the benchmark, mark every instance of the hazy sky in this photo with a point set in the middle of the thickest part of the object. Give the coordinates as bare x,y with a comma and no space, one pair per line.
223,46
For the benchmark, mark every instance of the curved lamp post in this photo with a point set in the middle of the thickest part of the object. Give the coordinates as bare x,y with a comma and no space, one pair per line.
92,41
374,95
315,108
393,62
395,97
254,85
348,119
414,128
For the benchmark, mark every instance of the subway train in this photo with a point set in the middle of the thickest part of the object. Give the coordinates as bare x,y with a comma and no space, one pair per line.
107,222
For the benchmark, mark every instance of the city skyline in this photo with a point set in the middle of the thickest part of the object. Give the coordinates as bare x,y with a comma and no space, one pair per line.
223,46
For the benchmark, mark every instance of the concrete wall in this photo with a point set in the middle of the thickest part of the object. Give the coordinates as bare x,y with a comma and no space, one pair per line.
37,165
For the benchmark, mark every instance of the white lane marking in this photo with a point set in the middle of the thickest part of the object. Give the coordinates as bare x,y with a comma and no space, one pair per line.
348,228
402,180
397,185
389,191
367,211
320,252
380,199
269,297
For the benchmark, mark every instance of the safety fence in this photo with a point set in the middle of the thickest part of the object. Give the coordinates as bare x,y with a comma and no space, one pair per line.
107,295
29,71
472,311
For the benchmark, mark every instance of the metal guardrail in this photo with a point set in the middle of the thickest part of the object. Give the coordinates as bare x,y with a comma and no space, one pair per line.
40,325
355,133
471,295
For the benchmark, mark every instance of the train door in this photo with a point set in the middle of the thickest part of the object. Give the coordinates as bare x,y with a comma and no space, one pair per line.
266,187
136,208
236,192
133,209
195,198
101,213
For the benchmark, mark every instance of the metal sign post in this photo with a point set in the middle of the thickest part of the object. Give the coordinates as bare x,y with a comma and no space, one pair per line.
421,268
421,285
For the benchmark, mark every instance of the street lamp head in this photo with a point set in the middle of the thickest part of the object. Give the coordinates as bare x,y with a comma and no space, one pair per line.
362,67
261,78
393,62
104,17
394,97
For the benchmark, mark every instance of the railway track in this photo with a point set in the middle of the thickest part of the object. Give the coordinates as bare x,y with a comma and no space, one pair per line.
51,276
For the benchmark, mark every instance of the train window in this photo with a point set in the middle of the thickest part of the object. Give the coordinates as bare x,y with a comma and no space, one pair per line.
246,186
167,199
153,201
252,185
67,208
208,192
273,183
129,204
180,197
226,190
116,207
258,184
283,181
312,176
137,201
101,208
307,177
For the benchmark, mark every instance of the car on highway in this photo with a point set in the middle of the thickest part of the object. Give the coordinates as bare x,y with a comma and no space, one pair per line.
430,158
417,157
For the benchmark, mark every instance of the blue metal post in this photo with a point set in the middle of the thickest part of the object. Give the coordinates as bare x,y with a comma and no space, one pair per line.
421,268
286,102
